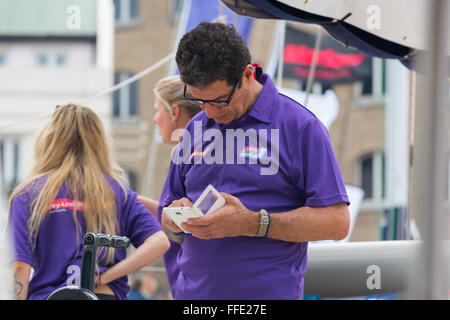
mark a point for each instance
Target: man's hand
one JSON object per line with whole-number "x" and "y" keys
{"x": 167, "y": 223}
{"x": 232, "y": 220}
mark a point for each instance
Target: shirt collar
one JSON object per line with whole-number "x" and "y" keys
{"x": 263, "y": 107}
{"x": 265, "y": 102}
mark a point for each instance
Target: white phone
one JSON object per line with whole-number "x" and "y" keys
{"x": 209, "y": 201}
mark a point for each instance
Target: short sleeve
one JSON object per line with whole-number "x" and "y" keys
{"x": 140, "y": 223}
{"x": 317, "y": 169}
{"x": 173, "y": 189}
{"x": 18, "y": 224}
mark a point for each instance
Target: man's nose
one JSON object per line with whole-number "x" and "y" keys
{"x": 211, "y": 110}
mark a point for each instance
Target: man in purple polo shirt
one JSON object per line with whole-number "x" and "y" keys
{"x": 272, "y": 161}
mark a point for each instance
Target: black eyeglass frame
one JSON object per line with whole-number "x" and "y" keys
{"x": 222, "y": 103}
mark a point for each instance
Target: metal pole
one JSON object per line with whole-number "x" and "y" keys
{"x": 274, "y": 54}
{"x": 281, "y": 52}
{"x": 6, "y": 288}
{"x": 312, "y": 70}
{"x": 396, "y": 146}
{"x": 356, "y": 269}
{"x": 429, "y": 281}
{"x": 412, "y": 117}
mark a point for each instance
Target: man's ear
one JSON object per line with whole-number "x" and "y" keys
{"x": 248, "y": 71}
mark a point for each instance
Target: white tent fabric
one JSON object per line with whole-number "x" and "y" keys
{"x": 324, "y": 106}
{"x": 381, "y": 28}
{"x": 386, "y": 19}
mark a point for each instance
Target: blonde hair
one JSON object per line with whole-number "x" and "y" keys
{"x": 72, "y": 148}
{"x": 170, "y": 90}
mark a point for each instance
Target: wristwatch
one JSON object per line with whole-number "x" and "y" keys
{"x": 264, "y": 221}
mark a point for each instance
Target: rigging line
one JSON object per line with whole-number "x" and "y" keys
{"x": 132, "y": 79}
{"x": 116, "y": 87}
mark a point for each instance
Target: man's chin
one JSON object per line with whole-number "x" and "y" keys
{"x": 221, "y": 120}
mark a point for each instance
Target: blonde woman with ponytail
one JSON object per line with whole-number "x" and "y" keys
{"x": 74, "y": 187}
{"x": 173, "y": 113}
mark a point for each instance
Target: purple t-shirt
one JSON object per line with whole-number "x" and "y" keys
{"x": 277, "y": 157}
{"x": 56, "y": 259}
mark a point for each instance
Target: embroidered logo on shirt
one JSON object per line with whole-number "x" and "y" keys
{"x": 60, "y": 204}
{"x": 200, "y": 153}
{"x": 253, "y": 152}
{"x": 224, "y": 145}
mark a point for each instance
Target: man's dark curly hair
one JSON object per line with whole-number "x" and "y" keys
{"x": 210, "y": 52}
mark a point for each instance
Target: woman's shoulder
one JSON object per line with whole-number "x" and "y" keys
{"x": 120, "y": 188}
{"x": 29, "y": 189}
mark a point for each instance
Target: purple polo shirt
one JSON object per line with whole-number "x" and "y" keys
{"x": 170, "y": 256}
{"x": 290, "y": 164}
{"x": 57, "y": 258}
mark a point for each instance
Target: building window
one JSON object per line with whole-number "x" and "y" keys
{"x": 175, "y": 9}
{"x": 42, "y": 59}
{"x": 9, "y": 165}
{"x": 51, "y": 59}
{"x": 2, "y": 59}
{"x": 126, "y": 12}
{"x": 371, "y": 176}
{"x": 61, "y": 59}
{"x": 367, "y": 176}
{"x": 133, "y": 9}
{"x": 132, "y": 179}
{"x": 374, "y": 87}
{"x": 126, "y": 98}
{"x": 368, "y": 83}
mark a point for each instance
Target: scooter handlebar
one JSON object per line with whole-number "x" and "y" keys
{"x": 106, "y": 240}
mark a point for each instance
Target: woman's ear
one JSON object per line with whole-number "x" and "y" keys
{"x": 176, "y": 112}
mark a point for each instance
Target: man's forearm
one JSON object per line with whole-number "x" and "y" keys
{"x": 308, "y": 224}
{"x": 299, "y": 225}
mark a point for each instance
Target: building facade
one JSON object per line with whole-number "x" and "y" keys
{"x": 143, "y": 35}
{"x": 51, "y": 53}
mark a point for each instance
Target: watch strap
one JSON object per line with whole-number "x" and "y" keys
{"x": 263, "y": 223}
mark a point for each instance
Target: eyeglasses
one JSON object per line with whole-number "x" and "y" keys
{"x": 223, "y": 103}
